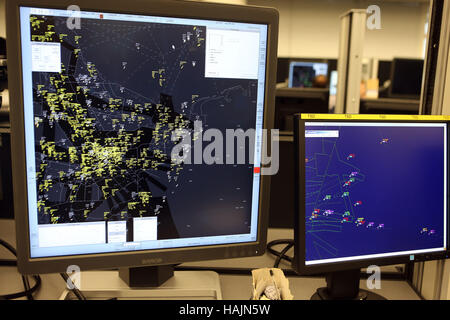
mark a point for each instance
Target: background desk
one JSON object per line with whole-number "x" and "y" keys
{"x": 290, "y": 101}
{"x": 389, "y": 106}
{"x": 234, "y": 286}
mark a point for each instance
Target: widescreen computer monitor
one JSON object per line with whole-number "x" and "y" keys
{"x": 99, "y": 97}
{"x": 303, "y": 74}
{"x": 406, "y": 78}
{"x": 371, "y": 190}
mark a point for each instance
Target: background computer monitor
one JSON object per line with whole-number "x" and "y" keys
{"x": 370, "y": 190}
{"x": 384, "y": 77}
{"x": 6, "y": 198}
{"x": 6, "y": 194}
{"x": 303, "y": 74}
{"x": 96, "y": 101}
{"x": 406, "y": 78}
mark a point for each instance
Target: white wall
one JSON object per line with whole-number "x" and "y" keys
{"x": 310, "y": 28}
{"x": 2, "y": 19}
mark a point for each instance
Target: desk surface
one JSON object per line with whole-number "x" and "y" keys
{"x": 234, "y": 287}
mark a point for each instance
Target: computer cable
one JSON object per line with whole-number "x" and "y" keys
{"x": 26, "y": 285}
{"x": 75, "y": 290}
{"x": 280, "y": 254}
{"x": 28, "y": 292}
{"x": 8, "y": 263}
{"x": 283, "y": 255}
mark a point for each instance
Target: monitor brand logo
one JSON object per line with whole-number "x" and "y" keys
{"x": 151, "y": 261}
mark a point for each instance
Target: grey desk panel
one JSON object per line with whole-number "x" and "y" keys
{"x": 239, "y": 287}
{"x": 233, "y": 286}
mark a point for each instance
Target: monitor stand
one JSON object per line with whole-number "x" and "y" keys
{"x": 344, "y": 285}
{"x": 141, "y": 277}
{"x": 148, "y": 283}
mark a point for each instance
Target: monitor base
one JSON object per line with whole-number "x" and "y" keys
{"x": 344, "y": 285}
{"x": 184, "y": 285}
{"x": 322, "y": 294}
{"x": 144, "y": 277}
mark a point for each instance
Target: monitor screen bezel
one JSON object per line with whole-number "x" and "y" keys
{"x": 166, "y": 8}
{"x": 300, "y": 214}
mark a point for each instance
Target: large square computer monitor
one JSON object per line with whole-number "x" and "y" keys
{"x": 99, "y": 91}
{"x": 371, "y": 190}
{"x": 304, "y": 74}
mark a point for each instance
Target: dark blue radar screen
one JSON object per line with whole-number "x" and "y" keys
{"x": 374, "y": 189}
